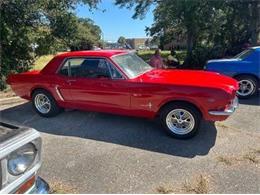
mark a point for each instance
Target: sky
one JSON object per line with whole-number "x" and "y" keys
{"x": 115, "y": 22}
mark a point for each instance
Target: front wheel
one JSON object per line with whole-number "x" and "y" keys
{"x": 247, "y": 86}
{"x": 44, "y": 104}
{"x": 180, "y": 120}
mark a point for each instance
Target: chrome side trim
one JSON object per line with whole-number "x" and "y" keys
{"x": 58, "y": 93}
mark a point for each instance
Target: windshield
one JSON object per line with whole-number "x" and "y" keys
{"x": 244, "y": 54}
{"x": 131, "y": 64}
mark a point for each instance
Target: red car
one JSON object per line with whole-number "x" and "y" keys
{"x": 120, "y": 82}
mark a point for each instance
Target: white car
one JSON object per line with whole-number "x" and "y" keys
{"x": 20, "y": 160}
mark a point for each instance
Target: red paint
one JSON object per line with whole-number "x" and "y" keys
{"x": 206, "y": 90}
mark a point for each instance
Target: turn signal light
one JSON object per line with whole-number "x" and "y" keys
{"x": 26, "y": 186}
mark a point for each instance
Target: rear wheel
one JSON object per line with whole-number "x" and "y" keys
{"x": 180, "y": 120}
{"x": 247, "y": 86}
{"x": 44, "y": 104}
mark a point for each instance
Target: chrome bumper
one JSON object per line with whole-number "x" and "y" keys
{"x": 40, "y": 187}
{"x": 228, "y": 111}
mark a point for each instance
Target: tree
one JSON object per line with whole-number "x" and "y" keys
{"x": 211, "y": 28}
{"x": 88, "y": 34}
{"x": 140, "y": 7}
{"x": 181, "y": 18}
{"x": 35, "y": 27}
{"x": 17, "y": 21}
{"x": 121, "y": 40}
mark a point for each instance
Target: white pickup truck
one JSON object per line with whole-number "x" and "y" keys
{"x": 20, "y": 159}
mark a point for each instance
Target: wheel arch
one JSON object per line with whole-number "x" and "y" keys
{"x": 247, "y": 74}
{"x": 40, "y": 88}
{"x": 187, "y": 102}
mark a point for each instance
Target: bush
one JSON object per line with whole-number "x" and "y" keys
{"x": 201, "y": 54}
{"x": 146, "y": 55}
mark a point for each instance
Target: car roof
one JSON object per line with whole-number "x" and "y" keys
{"x": 54, "y": 64}
{"x": 101, "y": 53}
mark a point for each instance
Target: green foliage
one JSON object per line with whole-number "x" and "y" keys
{"x": 121, "y": 40}
{"x": 147, "y": 54}
{"x": 31, "y": 28}
{"x": 87, "y": 34}
{"x": 211, "y": 29}
{"x": 141, "y": 7}
{"x": 16, "y": 50}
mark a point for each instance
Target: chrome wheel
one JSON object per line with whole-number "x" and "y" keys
{"x": 180, "y": 121}
{"x": 246, "y": 87}
{"x": 42, "y": 103}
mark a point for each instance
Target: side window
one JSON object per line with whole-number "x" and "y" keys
{"x": 114, "y": 72}
{"x": 94, "y": 68}
{"x": 71, "y": 66}
{"x": 90, "y": 68}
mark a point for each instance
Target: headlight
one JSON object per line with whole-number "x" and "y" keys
{"x": 20, "y": 160}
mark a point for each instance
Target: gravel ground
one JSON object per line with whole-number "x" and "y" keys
{"x": 86, "y": 152}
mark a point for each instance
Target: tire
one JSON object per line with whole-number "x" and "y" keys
{"x": 177, "y": 130}
{"x": 250, "y": 82}
{"x": 49, "y": 109}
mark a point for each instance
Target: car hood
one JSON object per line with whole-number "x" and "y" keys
{"x": 190, "y": 78}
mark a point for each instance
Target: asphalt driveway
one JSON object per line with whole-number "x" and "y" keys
{"x": 88, "y": 152}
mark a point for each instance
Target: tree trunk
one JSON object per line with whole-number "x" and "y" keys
{"x": 190, "y": 44}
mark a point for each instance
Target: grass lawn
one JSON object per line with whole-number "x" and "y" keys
{"x": 41, "y": 62}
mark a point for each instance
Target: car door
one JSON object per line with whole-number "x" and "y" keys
{"x": 94, "y": 87}
{"x": 62, "y": 82}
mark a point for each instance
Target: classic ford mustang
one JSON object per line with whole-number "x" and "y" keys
{"x": 120, "y": 82}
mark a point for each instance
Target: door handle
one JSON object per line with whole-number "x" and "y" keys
{"x": 137, "y": 95}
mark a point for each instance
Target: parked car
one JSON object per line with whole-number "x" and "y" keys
{"x": 120, "y": 82}
{"x": 245, "y": 67}
{"x": 20, "y": 160}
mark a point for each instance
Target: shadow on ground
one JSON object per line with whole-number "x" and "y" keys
{"x": 128, "y": 131}
{"x": 255, "y": 100}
